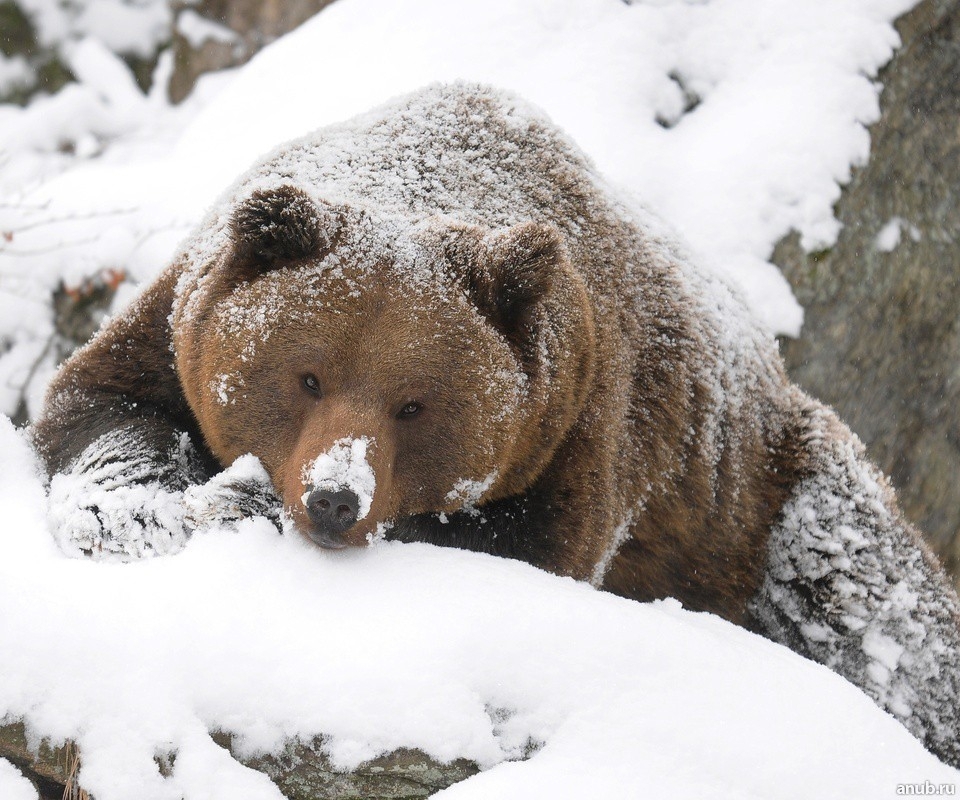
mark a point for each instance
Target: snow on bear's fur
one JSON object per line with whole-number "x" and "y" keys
{"x": 535, "y": 368}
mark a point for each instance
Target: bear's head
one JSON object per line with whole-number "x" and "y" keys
{"x": 378, "y": 367}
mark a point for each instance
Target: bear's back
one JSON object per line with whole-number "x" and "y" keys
{"x": 471, "y": 152}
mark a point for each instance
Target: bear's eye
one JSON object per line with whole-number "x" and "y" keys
{"x": 409, "y": 410}
{"x": 311, "y": 384}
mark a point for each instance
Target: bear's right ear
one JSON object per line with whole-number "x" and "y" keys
{"x": 521, "y": 279}
{"x": 274, "y": 226}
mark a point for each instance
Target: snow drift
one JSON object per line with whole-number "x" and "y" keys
{"x": 460, "y": 655}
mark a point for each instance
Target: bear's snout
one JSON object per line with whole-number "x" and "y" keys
{"x": 332, "y": 513}
{"x": 336, "y": 491}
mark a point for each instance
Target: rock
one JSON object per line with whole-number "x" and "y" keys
{"x": 881, "y": 337}
{"x": 51, "y": 769}
{"x": 216, "y": 34}
{"x": 301, "y": 772}
{"x": 79, "y": 309}
{"x": 45, "y": 71}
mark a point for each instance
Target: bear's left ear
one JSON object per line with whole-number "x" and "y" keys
{"x": 522, "y": 266}
{"x": 279, "y": 225}
{"x": 523, "y": 280}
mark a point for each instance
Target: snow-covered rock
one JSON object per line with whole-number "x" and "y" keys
{"x": 268, "y": 638}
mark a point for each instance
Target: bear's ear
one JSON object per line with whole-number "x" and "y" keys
{"x": 279, "y": 225}
{"x": 510, "y": 275}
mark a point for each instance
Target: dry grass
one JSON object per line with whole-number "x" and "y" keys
{"x": 71, "y": 789}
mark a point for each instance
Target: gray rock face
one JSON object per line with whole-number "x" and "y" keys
{"x": 252, "y": 23}
{"x": 301, "y": 772}
{"x": 52, "y": 769}
{"x": 881, "y": 338}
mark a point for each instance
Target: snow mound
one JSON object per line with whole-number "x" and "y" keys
{"x": 461, "y": 655}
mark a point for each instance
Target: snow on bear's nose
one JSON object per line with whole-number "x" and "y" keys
{"x": 343, "y": 469}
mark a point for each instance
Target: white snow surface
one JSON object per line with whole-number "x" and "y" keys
{"x": 13, "y": 786}
{"x": 736, "y": 120}
{"x": 463, "y": 655}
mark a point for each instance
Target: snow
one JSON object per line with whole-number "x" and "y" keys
{"x": 736, "y": 120}
{"x": 344, "y": 467}
{"x": 13, "y": 786}
{"x": 889, "y": 236}
{"x": 462, "y": 655}
{"x": 197, "y": 30}
{"x": 125, "y": 26}
{"x": 468, "y": 492}
{"x": 14, "y": 73}
{"x": 241, "y": 490}
{"x": 620, "y": 535}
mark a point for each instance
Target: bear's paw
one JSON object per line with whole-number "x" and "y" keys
{"x": 242, "y": 490}
{"x": 122, "y": 522}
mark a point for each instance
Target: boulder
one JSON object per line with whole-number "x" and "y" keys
{"x": 881, "y": 336}
{"x": 301, "y": 771}
{"x": 216, "y": 34}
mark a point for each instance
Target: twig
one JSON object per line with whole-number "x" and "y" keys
{"x": 71, "y": 789}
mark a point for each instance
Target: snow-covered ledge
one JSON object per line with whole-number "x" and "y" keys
{"x": 301, "y": 771}
{"x": 552, "y": 688}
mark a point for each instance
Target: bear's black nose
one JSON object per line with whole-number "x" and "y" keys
{"x": 332, "y": 513}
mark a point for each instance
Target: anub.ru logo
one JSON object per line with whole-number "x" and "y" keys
{"x": 926, "y": 789}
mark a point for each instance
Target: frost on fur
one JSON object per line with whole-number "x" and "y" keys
{"x": 242, "y": 490}
{"x": 470, "y": 492}
{"x": 116, "y": 501}
{"x": 851, "y": 585}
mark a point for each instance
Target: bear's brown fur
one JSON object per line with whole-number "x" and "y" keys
{"x": 532, "y": 368}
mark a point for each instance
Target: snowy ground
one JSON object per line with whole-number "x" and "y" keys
{"x": 407, "y": 645}
{"x": 735, "y": 119}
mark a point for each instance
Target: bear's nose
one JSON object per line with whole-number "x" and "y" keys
{"x": 332, "y": 513}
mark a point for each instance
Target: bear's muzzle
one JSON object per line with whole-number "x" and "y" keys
{"x": 332, "y": 514}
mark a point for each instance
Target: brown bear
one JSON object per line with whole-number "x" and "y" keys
{"x": 438, "y": 323}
